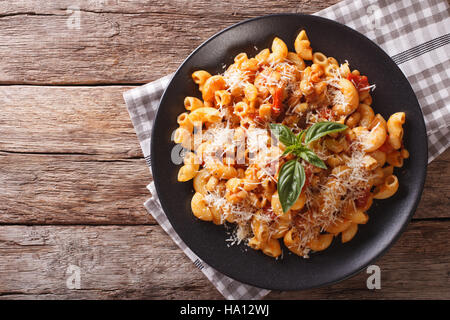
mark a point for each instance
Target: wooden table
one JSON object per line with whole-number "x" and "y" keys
{"x": 72, "y": 175}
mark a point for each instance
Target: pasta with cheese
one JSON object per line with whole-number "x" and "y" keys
{"x": 235, "y": 161}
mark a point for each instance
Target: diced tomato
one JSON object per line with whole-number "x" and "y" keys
{"x": 360, "y": 82}
{"x": 257, "y": 119}
{"x": 308, "y": 175}
{"x": 277, "y": 102}
{"x": 361, "y": 201}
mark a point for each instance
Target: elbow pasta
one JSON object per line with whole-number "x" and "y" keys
{"x": 234, "y": 161}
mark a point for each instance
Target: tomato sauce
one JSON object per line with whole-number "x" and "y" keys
{"x": 308, "y": 175}
{"x": 267, "y": 210}
{"x": 360, "y": 82}
{"x": 386, "y": 147}
{"x": 361, "y": 201}
{"x": 277, "y": 102}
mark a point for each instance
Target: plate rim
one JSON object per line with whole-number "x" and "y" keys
{"x": 422, "y": 177}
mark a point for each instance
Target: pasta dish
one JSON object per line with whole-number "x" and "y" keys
{"x": 286, "y": 147}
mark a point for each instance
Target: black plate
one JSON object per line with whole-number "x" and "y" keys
{"x": 388, "y": 218}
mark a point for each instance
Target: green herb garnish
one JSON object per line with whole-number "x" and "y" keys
{"x": 291, "y": 177}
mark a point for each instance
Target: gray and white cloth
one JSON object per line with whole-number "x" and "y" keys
{"x": 416, "y": 34}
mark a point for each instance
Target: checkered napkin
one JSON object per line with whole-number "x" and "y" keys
{"x": 416, "y": 34}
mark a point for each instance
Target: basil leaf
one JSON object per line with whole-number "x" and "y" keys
{"x": 311, "y": 157}
{"x": 283, "y": 133}
{"x": 300, "y": 137}
{"x": 291, "y": 179}
{"x": 320, "y": 129}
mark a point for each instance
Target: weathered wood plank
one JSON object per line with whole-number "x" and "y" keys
{"x": 115, "y": 262}
{"x": 115, "y": 41}
{"x": 436, "y": 194}
{"x": 80, "y": 120}
{"x": 61, "y": 189}
{"x": 141, "y": 262}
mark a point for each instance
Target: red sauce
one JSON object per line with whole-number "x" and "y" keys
{"x": 308, "y": 175}
{"x": 360, "y": 82}
{"x": 269, "y": 212}
{"x": 277, "y": 102}
{"x": 386, "y": 147}
{"x": 326, "y": 113}
{"x": 361, "y": 201}
{"x": 257, "y": 119}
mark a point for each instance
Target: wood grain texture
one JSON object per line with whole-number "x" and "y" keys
{"x": 142, "y": 262}
{"x": 67, "y": 120}
{"x": 117, "y": 41}
{"x": 436, "y": 194}
{"x": 115, "y": 262}
{"x": 62, "y": 189}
